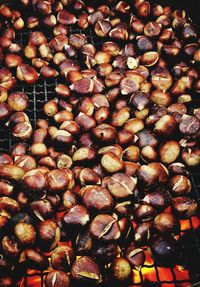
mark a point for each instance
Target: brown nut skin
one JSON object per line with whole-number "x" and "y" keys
{"x": 180, "y": 185}
{"x": 57, "y": 180}
{"x": 135, "y": 256}
{"x": 169, "y": 152}
{"x": 147, "y": 138}
{"x": 5, "y": 159}
{"x": 41, "y": 209}
{"x": 105, "y": 253}
{"x": 69, "y": 199}
{"x": 6, "y": 189}
{"x": 142, "y": 233}
{"x": 147, "y": 176}
{"x": 76, "y": 216}
{"x": 34, "y": 182}
{"x": 166, "y": 125}
{"x": 159, "y": 199}
{"x": 62, "y": 258}
{"x": 120, "y": 270}
{"x": 83, "y": 244}
{"x": 104, "y": 227}
{"x": 184, "y": 207}
{"x": 10, "y": 247}
{"x": 165, "y": 251}
{"x": 145, "y": 212}
{"x": 48, "y": 234}
{"x": 27, "y": 74}
{"x": 57, "y": 278}
{"x": 166, "y": 224}
{"x": 11, "y": 172}
{"x": 161, "y": 170}
{"x": 85, "y": 269}
{"x": 33, "y": 259}
{"x": 111, "y": 163}
{"x": 25, "y": 234}
{"x": 104, "y": 133}
{"x": 121, "y": 185}
{"x": 26, "y": 162}
{"x": 97, "y": 199}
{"x": 84, "y": 155}
{"x": 189, "y": 125}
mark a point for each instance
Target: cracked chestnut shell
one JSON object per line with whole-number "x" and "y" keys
{"x": 121, "y": 185}
{"x": 57, "y": 180}
{"x": 105, "y": 227}
{"x": 57, "y": 278}
{"x": 48, "y": 234}
{"x": 85, "y": 269}
{"x": 62, "y": 258}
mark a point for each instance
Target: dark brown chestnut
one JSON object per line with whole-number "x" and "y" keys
{"x": 165, "y": 251}
{"x": 105, "y": 227}
{"x": 57, "y": 278}
{"x": 62, "y": 258}
{"x": 85, "y": 269}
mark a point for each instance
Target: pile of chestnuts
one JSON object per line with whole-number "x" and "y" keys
{"x": 112, "y": 150}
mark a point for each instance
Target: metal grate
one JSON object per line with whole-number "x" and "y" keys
{"x": 44, "y": 90}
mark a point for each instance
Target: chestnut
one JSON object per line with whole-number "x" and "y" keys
{"x": 25, "y": 234}
{"x": 111, "y": 163}
{"x": 105, "y": 253}
{"x": 10, "y": 247}
{"x": 57, "y": 180}
{"x": 84, "y": 155}
{"x": 104, "y": 227}
{"x": 180, "y": 185}
{"x": 120, "y": 270}
{"x": 121, "y": 185}
{"x": 104, "y": 132}
{"x": 143, "y": 233}
{"x": 83, "y": 243}
{"x": 4, "y": 111}
{"x": 48, "y": 234}
{"x": 34, "y": 182}
{"x": 184, "y": 207}
{"x": 165, "y": 251}
{"x": 11, "y": 172}
{"x": 166, "y": 224}
{"x": 57, "y": 278}
{"x": 144, "y": 212}
{"x": 22, "y": 131}
{"x": 42, "y": 209}
{"x": 26, "y": 162}
{"x": 6, "y": 189}
{"x": 147, "y": 176}
{"x": 159, "y": 199}
{"x": 135, "y": 256}
{"x": 76, "y": 216}
{"x": 97, "y": 199}
{"x": 27, "y": 74}
{"x": 85, "y": 269}
{"x": 62, "y": 258}
{"x": 169, "y": 151}
{"x": 102, "y": 28}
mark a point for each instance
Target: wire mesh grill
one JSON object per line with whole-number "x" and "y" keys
{"x": 44, "y": 90}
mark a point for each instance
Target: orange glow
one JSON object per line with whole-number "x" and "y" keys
{"x": 185, "y": 223}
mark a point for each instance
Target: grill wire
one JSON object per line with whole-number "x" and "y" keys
{"x": 44, "y": 90}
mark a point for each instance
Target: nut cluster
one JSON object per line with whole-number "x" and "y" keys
{"x": 114, "y": 148}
